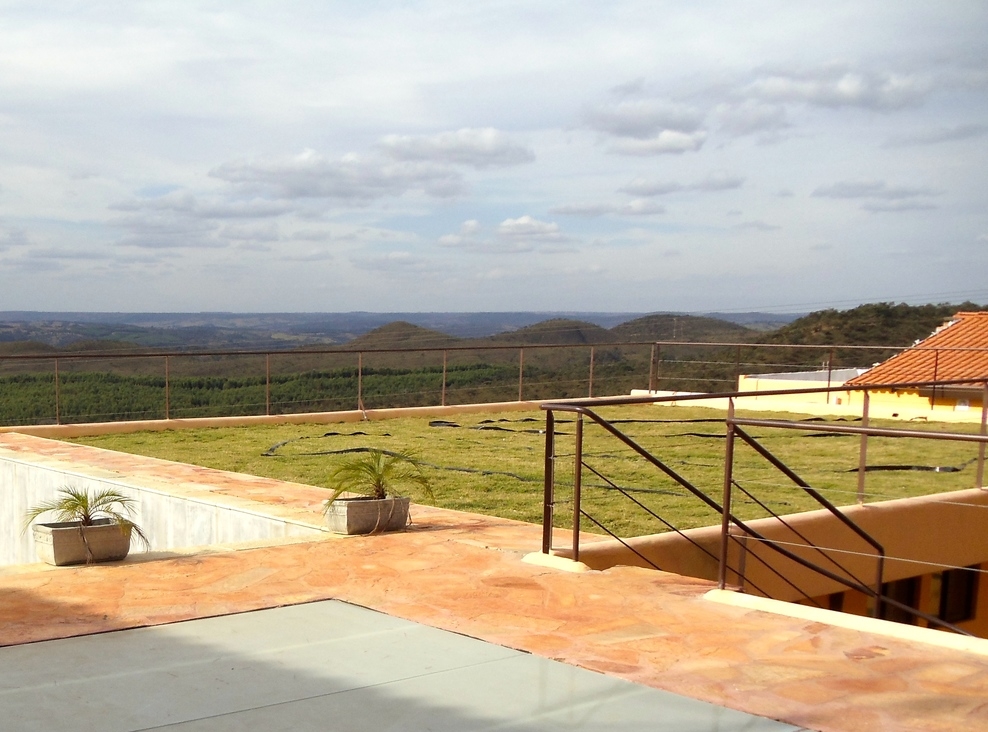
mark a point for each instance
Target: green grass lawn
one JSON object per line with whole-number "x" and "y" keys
{"x": 493, "y": 463}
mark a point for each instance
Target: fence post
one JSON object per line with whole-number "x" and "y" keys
{"x": 830, "y": 371}
{"x": 58, "y": 410}
{"x": 443, "y": 401}
{"x": 653, "y": 369}
{"x": 360, "y": 381}
{"x": 725, "y": 519}
{"x": 863, "y": 451}
{"x": 521, "y": 370}
{"x": 590, "y": 389}
{"x": 737, "y": 370}
{"x": 549, "y": 481}
{"x": 577, "y": 486}
{"x": 267, "y": 384}
{"x": 168, "y": 392}
{"x": 980, "y": 477}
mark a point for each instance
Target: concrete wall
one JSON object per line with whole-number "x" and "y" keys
{"x": 170, "y": 521}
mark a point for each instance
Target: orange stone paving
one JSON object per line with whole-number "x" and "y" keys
{"x": 463, "y": 572}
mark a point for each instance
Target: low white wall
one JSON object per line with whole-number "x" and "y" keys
{"x": 170, "y": 521}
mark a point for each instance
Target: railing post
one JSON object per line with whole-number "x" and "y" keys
{"x": 443, "y": 400}
{"x": 360, "y": 381}
{"x": 653, "y": 369}
{"x": 590, "y": 388}
{"x": 549, "y": 485}
{"x": 267, "y": 384}
{"x": 879, "y": 581}
{"x": 725, "y": 519}
{"x": 737, "y": 370}
{"x": 521, "y": 371}
{"x": 863, "y": 451}
{"x": 168, "y": 390}
{"x": 980, "y": 474}
{"x": 58, "y": 408}
{"x": 577, "y": 486}
{"x": 830, "y": 372}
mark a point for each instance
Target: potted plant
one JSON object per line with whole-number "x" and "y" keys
{"x": 374, "y": 474}
{"x": 89, "y": 527}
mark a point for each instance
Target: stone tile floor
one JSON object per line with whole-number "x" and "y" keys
{"x": 463, "y": 572}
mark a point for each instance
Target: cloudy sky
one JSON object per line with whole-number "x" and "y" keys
{"x": 449, "y": 155}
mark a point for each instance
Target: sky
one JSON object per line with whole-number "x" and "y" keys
{"x": 492, "y": 156}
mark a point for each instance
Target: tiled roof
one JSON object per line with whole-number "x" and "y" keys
{"x": 932, "y": 359}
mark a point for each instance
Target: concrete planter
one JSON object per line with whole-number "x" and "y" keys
{"x": 65, "y": 543}
{"x": 367, "y": 515}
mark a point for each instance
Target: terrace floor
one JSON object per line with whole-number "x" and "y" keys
{"x": 464, "y": 573}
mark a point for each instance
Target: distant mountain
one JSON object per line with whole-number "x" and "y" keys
{"x": 755, "y": 320}
{"x": 402, "y": 335}
{"x": 556, "y": 330}
{"x": 690, "y": 328}
{"x": 881, "y": 324}
{"x": 262, "y": 331}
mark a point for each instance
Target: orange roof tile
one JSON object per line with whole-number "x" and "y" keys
{"x": 957, "y": 350}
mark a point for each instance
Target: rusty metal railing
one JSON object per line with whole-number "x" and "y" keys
{"x": 584, "y": 409}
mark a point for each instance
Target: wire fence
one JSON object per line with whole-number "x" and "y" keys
{"x": 113, "y": 386}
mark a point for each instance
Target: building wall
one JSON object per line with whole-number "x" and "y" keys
{"x": 906, "y": 404}
{"x": 170, "y": 521}
{"x": 919, "y": 535}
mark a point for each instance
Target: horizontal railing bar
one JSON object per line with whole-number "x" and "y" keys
{"x": 870, "y": 431}
{"x": 574, "y": 405}
{"x": 493, "y": 347}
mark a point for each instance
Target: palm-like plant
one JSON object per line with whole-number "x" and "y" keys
{"x": 87, "y": 508}
{"x": 375, "y": 473}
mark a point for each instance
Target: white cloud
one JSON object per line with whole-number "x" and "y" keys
{"x": 512, "y": 236}
{"x": 871, "y": 189}
{"x": 396, "y": 262}
{"x": 529, "y": 228}
{"x": 939, "y": 135}
{"x": 718, "y": 181}
{"x": 751, "y": 117}
{"x": 643, "y": 187}
{"x": 644, "y": 118}
{"x": 351, "y": 178}
{"x": 479, "y": 148}
{"x": 584, "y": 209}
{"x": 894, "y": 206}
{"x": 842, "y": 87}
{"x": 186, "y": 203}
{"x": 13, "y": 238}
{"x": 756, "y": 226}
{"x": 638, "y": 207}
{"x": 667, "y": 142}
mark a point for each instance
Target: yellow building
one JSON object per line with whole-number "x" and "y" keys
{"x": 958, "y": 350}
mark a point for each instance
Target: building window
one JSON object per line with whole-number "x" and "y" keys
{"x": 836, "y": 602}
{"x": 958, "y": 594}
{"x": 905, "y": 591}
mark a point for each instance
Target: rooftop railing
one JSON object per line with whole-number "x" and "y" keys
{"x": 720, "y": 501}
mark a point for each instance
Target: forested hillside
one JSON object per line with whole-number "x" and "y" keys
{"x": 556, "y": 358}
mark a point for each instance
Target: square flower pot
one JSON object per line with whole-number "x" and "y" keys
{"x": 364, "y": 515}
{"x": 64, "y": 543}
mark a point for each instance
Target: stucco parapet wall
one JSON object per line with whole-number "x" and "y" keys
{"x": 89, "y": 429}
{"x": 859, "y": 623}
{"x": 798, "y": 404}
{"x": 178, "y": 505}
{"x": 920, "y": 535}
